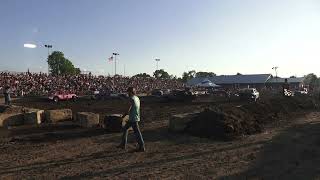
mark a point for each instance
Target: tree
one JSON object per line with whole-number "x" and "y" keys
{"x": 188, "y": 75}
{"x": 239, "y": 73}
{"x": 293, "y": 76}
{"x": 78, "y": 71}
{"x": 205, "y": 74}
{"x": 161, "y": 74}
{"x": 311, "y": 80}
{"x": 143, "y": 75}
{"x": 59, "y": 65}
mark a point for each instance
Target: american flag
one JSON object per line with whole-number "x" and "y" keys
{"x": 110, "y": 59}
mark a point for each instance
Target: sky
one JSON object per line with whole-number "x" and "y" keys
{"x": 221, "y": 36}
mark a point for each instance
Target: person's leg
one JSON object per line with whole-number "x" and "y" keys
{"x": 138, "y": 135}
{"x": 6, "y": 99}
{"x": 9, "y": 100}
{"x": 124, "y": 139}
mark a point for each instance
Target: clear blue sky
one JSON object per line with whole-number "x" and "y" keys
{"x": 222, "y": 36}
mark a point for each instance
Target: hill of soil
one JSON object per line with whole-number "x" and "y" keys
{"x": 229, "y": 122}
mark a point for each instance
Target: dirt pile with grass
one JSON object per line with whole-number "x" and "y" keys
{"x": 229, "y": 122}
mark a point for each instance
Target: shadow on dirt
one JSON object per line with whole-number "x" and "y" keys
{"x": 294, "y": 154}
{"x": 53, "y": 134}
{"x": 52, "y": 164}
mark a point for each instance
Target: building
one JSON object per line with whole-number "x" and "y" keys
{"x": 235, "y": 81}
{"x": 277, "y": 82}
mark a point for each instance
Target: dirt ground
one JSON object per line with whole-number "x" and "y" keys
{"x": 288, "y": 149}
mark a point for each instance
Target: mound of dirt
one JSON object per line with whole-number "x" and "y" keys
{"x": 228, "y": 122}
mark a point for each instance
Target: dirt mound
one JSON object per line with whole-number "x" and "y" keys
{"x": 228, "y": 122}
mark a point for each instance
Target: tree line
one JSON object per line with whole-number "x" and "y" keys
{"x": 60, "y": 65}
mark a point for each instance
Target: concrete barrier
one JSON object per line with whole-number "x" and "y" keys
{"x": 58, "y": 115}
{"x": 34, "y": 117}
{"x": 113, "y": 122}
{"x": 178, "y": 123}
{"x": 87, "y": 119}
{"x": 11, "y": 119}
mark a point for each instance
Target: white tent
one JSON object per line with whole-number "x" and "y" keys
{"x": 207, "y": 83}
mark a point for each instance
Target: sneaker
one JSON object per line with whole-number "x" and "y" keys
{"x": 141, "y": 149}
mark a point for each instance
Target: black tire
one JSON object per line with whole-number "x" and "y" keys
{"x": 56, "y": 99}
{"x": 74, "y": 98}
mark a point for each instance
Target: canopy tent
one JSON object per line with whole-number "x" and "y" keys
{"x": 207, "y": 83}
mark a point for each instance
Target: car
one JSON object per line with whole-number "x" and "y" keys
{"x": 249, "y": 94}
{"x": 157, "y": 92}
{"x": 301, "y": 92}
{"x": 181, "y": 95}
{"x": 61, "y": 96}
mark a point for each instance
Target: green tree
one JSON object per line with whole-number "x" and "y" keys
{"x": 188, "y": 75}
{"x": 77, "y": 71}
{"x": 239, "y": 73}
{"x": 59, "y": 65}
{"x": 143, "y": 75}
{"x": 205, "y": 74}
{"x": 161, "y": 74}
{"x": 311, "y": 80}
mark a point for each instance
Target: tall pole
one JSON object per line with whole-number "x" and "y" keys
{"x": 115, "y": 62}
{"x": 157, "y": 60}
{"x": 275, "y": 68}
{"x": 48, "y": 46}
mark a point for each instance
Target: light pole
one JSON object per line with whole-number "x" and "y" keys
{"x": 115, "y": 62}
{"x": 157, "y": 60}
{"x": 49, "y": 47}
{"x": 275, "y": 68}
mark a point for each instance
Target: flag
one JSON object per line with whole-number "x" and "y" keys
{"x": 110, "y": 58}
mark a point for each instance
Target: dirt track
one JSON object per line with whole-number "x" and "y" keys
{"x": 288, "y": 151}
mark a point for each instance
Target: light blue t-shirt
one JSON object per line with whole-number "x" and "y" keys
{"x": 134, "y": 114}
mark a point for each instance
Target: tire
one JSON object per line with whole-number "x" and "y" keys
{"x": 74, "y": 98}
{"x": 56, "y": 99}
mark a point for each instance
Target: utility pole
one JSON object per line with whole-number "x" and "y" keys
{"x": 275, "y": 68}
{"x": 49, "y": 47}
{"x": 115, "y": 62}
{"x": 157, "y": 60}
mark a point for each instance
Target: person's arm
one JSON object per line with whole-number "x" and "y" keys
{"x": 126, "y": 113}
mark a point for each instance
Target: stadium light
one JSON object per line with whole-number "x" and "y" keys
{"x": 115, "y": 62}
{"x": 32, "y": 46}
{"x": 49, "y": 47}
{"x": 157, "y": 60}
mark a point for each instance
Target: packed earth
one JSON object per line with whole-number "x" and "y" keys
{"x": 277, "y": 138}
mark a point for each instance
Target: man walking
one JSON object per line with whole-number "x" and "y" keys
{"x": 134, "y": 118}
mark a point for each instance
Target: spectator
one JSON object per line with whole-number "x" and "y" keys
{"x": 33, "y": 84}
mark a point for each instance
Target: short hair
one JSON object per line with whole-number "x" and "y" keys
{"x": 131, "y": 90}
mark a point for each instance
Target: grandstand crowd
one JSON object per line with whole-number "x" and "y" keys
{"x": 39, "y": 84}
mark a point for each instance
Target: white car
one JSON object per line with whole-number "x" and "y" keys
{"x": 249, "y": 93}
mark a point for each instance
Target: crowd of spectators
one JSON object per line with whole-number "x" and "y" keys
{"x": 39, "y": 84}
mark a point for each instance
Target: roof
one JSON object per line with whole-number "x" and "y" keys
{"x": 234, "y": 79}
{"x": 290, "y": 80}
